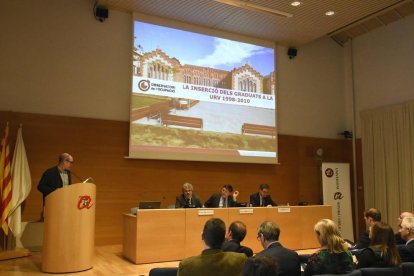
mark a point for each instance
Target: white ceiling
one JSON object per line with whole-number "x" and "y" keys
{"x": 308, "y": 22}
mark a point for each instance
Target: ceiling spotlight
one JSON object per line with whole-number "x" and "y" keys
{"x": 295, "y": 3}
{"x": 329, "y": 13}
{"x": 253, "y": 7}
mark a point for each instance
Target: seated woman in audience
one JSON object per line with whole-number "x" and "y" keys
{"x": 260, "y": 266}
{"x": 382, "y": 251}
{"x": 333, "y": 257}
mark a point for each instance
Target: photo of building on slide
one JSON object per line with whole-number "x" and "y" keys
{"x": 176, "y": 104}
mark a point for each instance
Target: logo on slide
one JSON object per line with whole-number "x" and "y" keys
{"x": 85, "y": 202}
{"x": 144, "y": 85}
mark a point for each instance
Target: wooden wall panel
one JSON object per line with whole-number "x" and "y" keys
{"x": 99, "y": 148}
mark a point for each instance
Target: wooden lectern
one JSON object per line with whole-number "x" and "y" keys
{"x": 69, "y": 229}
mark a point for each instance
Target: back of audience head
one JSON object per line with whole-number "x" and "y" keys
{"x": 407, "y": 228}
{"x": 371, "y": 216}
{"x": 214, "y": 233}
{"x": 237, "y": 230}
{"x": 269, "y": 231}
{"x": 383, "y": 239}
{"x": 329, "y": 236}
{"x": 260, "y": 266}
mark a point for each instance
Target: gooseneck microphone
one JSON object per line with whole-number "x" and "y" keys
{"x": 75, "y": 175}
{"x": 87, "y": 180}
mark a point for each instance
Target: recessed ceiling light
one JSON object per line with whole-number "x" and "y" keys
{"x": 329, "y": 13}
{"x": 296, "y": 3}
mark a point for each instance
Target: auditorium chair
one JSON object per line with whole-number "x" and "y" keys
{"x": 383, "y": 271}
{"x": 163, "y": 271}
{"x": 408, "y": 269}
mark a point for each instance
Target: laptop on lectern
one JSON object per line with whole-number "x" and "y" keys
{"x": 149, "y": 205}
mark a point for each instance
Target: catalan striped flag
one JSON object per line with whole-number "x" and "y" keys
{"x": 5, "y": 180}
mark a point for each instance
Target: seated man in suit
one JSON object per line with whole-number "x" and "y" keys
{"x": 227, "y": 198}
{"x": 287, "y": 260}
{"x": 57, "y": 176}
{"x": 407, "y": 233}
{"x": 371, "y": 216}
{"x": 262, "y": 198}
{"x": 398, "y": 238}
{"x": 235, "y": 235}
{"x": 187, "y": 199}
{"x": 213, "y": 261}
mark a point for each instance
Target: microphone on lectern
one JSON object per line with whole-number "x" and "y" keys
{"x": 75, "y": 175}
{"x": 87, "y": 180}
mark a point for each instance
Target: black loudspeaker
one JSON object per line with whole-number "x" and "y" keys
{"x": 101, "y": 13}
{"x": 292, "y": 52}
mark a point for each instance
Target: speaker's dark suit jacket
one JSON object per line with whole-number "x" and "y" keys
{"x": 287, "y": 260}
{"x": 214, "y": 201}
{"x": 255, "y": 200}
{"x": 234, "y": 246}
{"x": 51, "y": 181}
{"x": 213, "y": 262}
{"x": 181, "y": 202}
{"x": 407, "y": 252}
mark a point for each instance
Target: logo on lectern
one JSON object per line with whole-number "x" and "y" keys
{"x": 85, "y": 202}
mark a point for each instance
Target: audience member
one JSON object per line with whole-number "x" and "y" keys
{"x": 288, "y": 261}
{"x": 260, "y": 266}
{"x": 371, "y": 216}
{"x": 187, "y": 199}
{"x": 398, "y": 238}
{"x": 227, "y": 198}
{"x": 333, "y": 257}
{"x": 235, "y": 235}
{"x": 382, "y": 251}
{"x": 213, "y": 261}
{"x": 262, "y": 198}
{"x": 407, "y": 234}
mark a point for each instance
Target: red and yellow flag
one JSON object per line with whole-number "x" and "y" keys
{"x": 5, "y": 180}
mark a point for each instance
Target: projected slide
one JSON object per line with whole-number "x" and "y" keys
{"x": 203, "y": 98}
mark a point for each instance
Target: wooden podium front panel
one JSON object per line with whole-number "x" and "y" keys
{"x": 310, "y": 215}
{"x": 69, "y": 229}
{"x": 194, "y": 225}
{"x": 129, "y": 238}
{"x": 160, "y": 235}
{"x": 252, "y": 217}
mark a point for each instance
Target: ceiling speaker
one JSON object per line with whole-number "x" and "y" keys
{"x": 101, "y": 13}
{"x": 292, "y": 52}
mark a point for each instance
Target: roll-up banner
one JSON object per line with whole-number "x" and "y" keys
{"x": 336, "y": 192}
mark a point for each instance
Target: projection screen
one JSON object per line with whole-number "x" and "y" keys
{"x": 200, "y": 97}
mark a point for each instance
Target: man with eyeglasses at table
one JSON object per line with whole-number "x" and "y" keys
{"x": 57, "y": 176}
{"x": 187, "y": 199}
